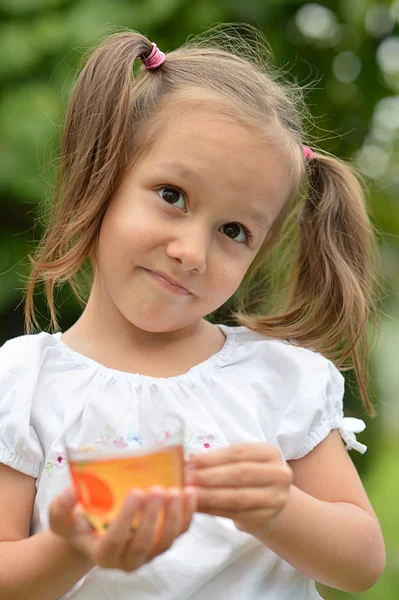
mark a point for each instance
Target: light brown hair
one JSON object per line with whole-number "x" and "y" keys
{"x": 324, "y": 289}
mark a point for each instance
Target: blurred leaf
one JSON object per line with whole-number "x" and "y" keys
{"x": 28, "y": 117}
{"x": 22, "y": 7}
{"x": 16, "y": 49}
{"x": 13, "y": 252}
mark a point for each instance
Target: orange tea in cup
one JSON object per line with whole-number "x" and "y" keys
{"x": 102, "y": 484}
{"x": 103, "y": 478}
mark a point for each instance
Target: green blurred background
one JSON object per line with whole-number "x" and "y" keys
{"x": 350, "y": 47}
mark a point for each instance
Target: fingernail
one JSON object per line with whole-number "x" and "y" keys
{"x": 136, "y": 491}
{"x": 156, "y": 489}
{"x": 136, "y": 495}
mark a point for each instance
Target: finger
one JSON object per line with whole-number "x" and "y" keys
{"x": 61, "y": 517}
{"x": 249, "y": 474}
{"x": 251, "y": 516}
{"x": 141, "y": 547}
{"x": 190, "y": 502}
{"x": 111, "y": 547}
{"x": 172, "y": 521}
{"x": 260, "y": 452}
{"x": 239, "y": 499}
{"x": 82, "y": 525}
{"x": 255, "y": 520}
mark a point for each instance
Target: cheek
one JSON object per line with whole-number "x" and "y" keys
{"x": 124, "y": 233}
{"x": 227, "y": 278}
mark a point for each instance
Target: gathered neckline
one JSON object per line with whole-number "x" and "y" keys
{"x": 220, "y": 357}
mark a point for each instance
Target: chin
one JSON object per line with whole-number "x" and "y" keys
{"x": 159, "y": 325}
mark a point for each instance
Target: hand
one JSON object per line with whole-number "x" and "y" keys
{"x": 248, "y": 483}
{"x": 118, "y": 548}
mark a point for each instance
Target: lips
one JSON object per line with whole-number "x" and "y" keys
{"x": 168, "y": 279}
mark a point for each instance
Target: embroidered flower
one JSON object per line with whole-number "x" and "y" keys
{"x": 88, "y": 448}
{"x": 120, "y": 443}
{"x": 49, "y": 466}
{"x": 162, "y": 438}
{"x": 60, "y": 459}
{"x": 110, "y": 431}
{"x": 134, "y": 438}
{"x": 103, "y": 439}
{"x": 204, "y": 443}
{"x": 187, "y": 441}
{"x": 207, "y": 441}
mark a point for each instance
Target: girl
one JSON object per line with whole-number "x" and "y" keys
{"x": 176, "y": 186}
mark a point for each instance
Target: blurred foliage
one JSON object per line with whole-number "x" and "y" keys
{"x": 350, "y": 48}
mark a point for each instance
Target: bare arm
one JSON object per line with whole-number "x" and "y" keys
{"x": 316, "y": 510}
{"x": 42, "y": 567}
{"x": 45, "y": 566}
{"x": 328, "y": 529}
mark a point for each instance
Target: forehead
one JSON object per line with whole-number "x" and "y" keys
{"x": 214, "y": 149}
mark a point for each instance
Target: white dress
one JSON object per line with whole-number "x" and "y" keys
{"x": 255, "y": 389}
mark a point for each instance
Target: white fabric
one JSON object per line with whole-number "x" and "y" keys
{"x": 253, "y": 390}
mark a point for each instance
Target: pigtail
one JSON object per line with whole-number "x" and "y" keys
{"x": 331, "y": 283}
{"x": 95, "y": 150}
{"x": 334, "y": 273}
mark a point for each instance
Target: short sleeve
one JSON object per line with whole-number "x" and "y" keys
{"x": 20, "y": 447}
{"x": 316, "y": 409}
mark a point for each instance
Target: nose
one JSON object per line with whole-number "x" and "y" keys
{"x": 190, "y": 247}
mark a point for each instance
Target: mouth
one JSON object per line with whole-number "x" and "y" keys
{"x": 167, "y": 282}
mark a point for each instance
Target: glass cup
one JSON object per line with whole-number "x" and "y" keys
{"x": 104, "y": 474}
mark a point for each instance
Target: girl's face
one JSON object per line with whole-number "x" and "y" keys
{"x": 194, "y": 209}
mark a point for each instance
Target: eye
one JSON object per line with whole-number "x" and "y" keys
{"x": 172, "y": 195}
{"x": 236, "y": 232}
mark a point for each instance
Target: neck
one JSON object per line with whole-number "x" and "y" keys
{"x": 105, "y": 335}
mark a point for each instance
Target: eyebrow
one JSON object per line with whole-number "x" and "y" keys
{"x": 259, "y": 218}
{"x": 183, "y": 170}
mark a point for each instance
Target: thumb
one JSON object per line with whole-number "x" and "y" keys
{"x": 61, "y": 515}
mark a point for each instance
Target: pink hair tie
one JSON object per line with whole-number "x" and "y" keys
{"x": 153, "y": 60}
{"x": 307, "y": 152}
